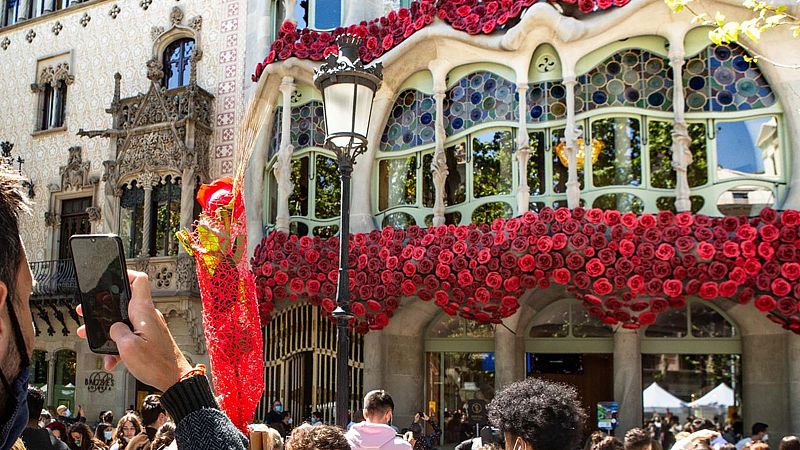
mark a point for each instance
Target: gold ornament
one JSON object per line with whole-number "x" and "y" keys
{"x": 597, "y": 147}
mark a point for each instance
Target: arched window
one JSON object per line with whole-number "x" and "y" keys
{"x": 39, "y": 369}
{"x": 64, "y": 381}
{"x": 459, "y": 363}
{"x": 694, "y": 354}
{"x": 54, "y": 100}
{"x": 178, "y": 63}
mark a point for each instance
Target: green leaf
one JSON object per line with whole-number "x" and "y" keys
{"x": 208, "y": 238}
{"x": 186, "y": 240}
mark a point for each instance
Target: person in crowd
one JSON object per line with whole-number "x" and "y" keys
{"x": 58, "y": 435}
{"x": 638, "y": 439}
{"x": 105, "y": 417}
{"x": 322, "y": 437}
{"x": 34, "y": 436}
{"x": 608, "y": 443}
{"x": 536, "y": 414}
{"x": 418, "y": 438}
{"x": 148, "y": 350}
{"x": 452, "y": 428}
{"x": 485, "y": 437}
{"x": 274, "y": 415}
{"x": 789, "y": 443}
{"x": 127, "y": 428}
{"x": 164, "y": 436}
{"x": 153, "y": 416}
{"x": 284, "y": 427}
{"x": 82, "y": 438}
{"x": 375, "y": 432}
{"x": 593, "y": 439}
{"x": 701, "y": 424}
{"x": 316, "y": 419}
{"x": 759, "y": 433}
{"x": 104, "y": 432}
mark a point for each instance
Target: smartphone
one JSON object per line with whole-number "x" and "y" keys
{"x": 103, "y": 284}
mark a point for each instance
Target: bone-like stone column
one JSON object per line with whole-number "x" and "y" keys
{"x": 439, "y": 162}
{"x": 283, "y": 165}
{"x": 571, "y": 137}
{"x": 523, "y": 151}
{"x": 681, "y": 152}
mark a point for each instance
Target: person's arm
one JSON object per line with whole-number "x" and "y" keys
{"x": 465, "y": 445}
{"x": 437, "y": 431}
{"x": 152, "y": 356}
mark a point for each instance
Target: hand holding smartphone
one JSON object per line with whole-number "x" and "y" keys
{"x": 103, "y": 285}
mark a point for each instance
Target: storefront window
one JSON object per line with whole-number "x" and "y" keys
{"x": 64, "y": 382}
{"x": 38, "y": 371}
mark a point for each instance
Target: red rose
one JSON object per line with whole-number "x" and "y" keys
{"x": 768, "y": 215}
{"x": 484, "y": 255}
{"x": 635, "y": 283}
{"x": 769, "y": 233}
{"x": 627, "y": 247}
{"x": 705, "y": 250}
{"x": 381, "y": 320}
{"x": 408, "y": 288}
{"x": 790, "y": 271}
{"x": 665, "y": 252}
{"x": 647, "y": 221}
{"x": 494, "y": 280}
{"x": 526, "y": 262}
{"x": 594, "y": 215}
{"x": 765, "y": 303}
{"x": 781, "y": 287}
{"x": 748, "y": 249}
{"x": 296, "y": 285}
{"x": 544, "y": 244}
{"x": 218, "y": 194}
{"x": 746, "y": 233}
{"x": 708, "y": 290}
{"x": 464, "y": 10}
{"x": 409, "y": 268}
{"x": 328, "y": 305}
{"x": 482, "y": 295}
{"x": 602, "y": 287}
{"x": 629, "y": 220}
{"x": 511, "y": 284}
{"x": 790, "y": 218}
{"x": 442, "y": 271}
{"x": 510, "y": 302}
{"x": 561, "y": 276}
{"x": 595, "y": 268}
{"x": 647, "y": 318}
{"x": 752, "y": 266}
{"x": 281, "y": 277}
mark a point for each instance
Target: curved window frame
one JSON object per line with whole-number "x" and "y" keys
{"x": 690, "y": 344}
{"x": 183, "y": 61}
{"x": 569, "y": 343}
{"x": 309, "y": 15}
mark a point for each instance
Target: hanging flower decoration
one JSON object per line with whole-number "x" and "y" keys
{"x": 384, "y": 33}
{"x": 230, "y": 319}
{"x": 626, "y": 269}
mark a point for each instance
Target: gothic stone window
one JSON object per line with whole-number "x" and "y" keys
{"x": 177, "y": 63}
{"x": 165, "y": 211}
{"x": 51, "y": 88}
{"x": 12, "y": 12}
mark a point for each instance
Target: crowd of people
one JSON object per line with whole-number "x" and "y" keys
{"x": 148, "y": 429}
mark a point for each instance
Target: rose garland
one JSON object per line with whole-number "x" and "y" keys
{"x": 626, "y": 269}
{"x": 384, "y": 33}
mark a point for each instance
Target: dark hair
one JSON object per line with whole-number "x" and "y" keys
{"x": 702, "y": 424}
{"x": 12, "y": 203}
{"x": 325, "y": 437}
{"x": 151, "y": 409}
{"x": 317, "y": 414}
{"x": 637, "y": 439}
{"x": 35, "y": 403}
{"x": 378, "y": 402}
{"x": 759, "y": 427}
{"x": 608, "y": 443}
{"x": 164, "y": 437}
{"x": 546, "y": 414}
{"x": 107, "y": 417}
{"x": 86, "y": 436}
{"x": 132, "y": 418}
{"x": 790, "y": 443}
{"x": 100, "y": 430}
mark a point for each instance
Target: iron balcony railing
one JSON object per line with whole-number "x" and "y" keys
{"x": 54, "y": 279}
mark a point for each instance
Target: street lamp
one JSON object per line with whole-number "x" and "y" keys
{"x": 348, "y": 88}
{"x": 7, "y": 159}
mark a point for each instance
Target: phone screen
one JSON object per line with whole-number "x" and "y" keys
{"x": 103, "y": 286}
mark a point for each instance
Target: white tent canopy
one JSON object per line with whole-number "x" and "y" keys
{"x": 657, "y": 398}
{"x": 719, "y": 397}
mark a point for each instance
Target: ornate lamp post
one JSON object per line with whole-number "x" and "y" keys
{"x": 348, "y": 88}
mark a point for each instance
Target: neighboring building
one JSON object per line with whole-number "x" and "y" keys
{"x": 118, "y": 109}
{"x": 666, "y": 120}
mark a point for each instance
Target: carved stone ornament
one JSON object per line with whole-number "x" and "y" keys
{"x": 75, "y": 175}
{"x": 156, "y": 31}
{"x": 30, "y": 36}
{"x": 155, "y": 70}
{"x": 94, "y": 213}
{"x": 57, "y": 27}
{"x": 110, "y": 177}
{"x": 145, "y": 4}
{"x": 114, "y": 11}
{"x": 5, "y": 43}
{"x": 52, "y": 219}
{"x": 52, "y": 75}
{"x": 176, "y": 16}
{"x": 85, "y": 20}
{"x": 196, "y": 23}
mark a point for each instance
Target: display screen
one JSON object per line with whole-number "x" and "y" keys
{"x": 103, "y": 285}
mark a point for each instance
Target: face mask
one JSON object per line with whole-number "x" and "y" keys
{"x": 78, "y": 442}
{"x": 107, "y": 435}
{"x": 290, "y": 421}
{"x": 279, "y": 408}
{"x": 765, "y": 438}
{"x": 313, "y": 421}
{"x": 67, "y": 413}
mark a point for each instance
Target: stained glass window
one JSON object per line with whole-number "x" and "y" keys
{"x": 635, "y": 78}
{"x": 308, "y": 125}
{"x": 546, "y": 101}
{"x": 275, "y": 142}
{"x": 478, "y": 98}
{"x": 719, "y": 78}
{"x": 411, "y": 121}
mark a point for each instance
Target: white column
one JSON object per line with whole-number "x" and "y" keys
{"x": 283, "y": 165}
{"x": 439, "y": 162}
{"x": 571, "y": 136}
{"x": 628, "y": 379}
{"x": 523, "y": 151}
{"x": 147, "y": 180}
{"x": 288, "y": 7}
{"x": 187, "y": 202}
{"x": 681, "y": 152}
{"x": 50, "y": 357}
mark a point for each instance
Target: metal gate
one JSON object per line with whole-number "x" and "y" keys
{"x": 300, "y": 364}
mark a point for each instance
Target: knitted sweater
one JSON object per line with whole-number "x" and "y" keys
{"x": 200, "y": 425}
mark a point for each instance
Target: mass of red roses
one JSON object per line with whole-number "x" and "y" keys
{"x": 626, "y": 269}
{"x": 384, "y": 33}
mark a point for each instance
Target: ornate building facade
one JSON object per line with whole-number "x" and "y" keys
{"x": 115, "y": 111}
{"x": 630, "y": 108}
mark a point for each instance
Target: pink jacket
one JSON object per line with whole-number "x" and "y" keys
{"x": 368, "y": 436}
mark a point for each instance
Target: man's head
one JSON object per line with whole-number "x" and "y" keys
{"x": 277, "y": 406}
{"x": 378, "y": 407}
{"x": 16, "y": 285}
{"x": 538, "y": 414}
{"x": 702, "y": 424}
{"x": 62, "y": 410}
{"x": 637, "y": 439}
{"x": 153, "y": 414}
{"x": 759, "y": 430}
{"x": 35, "y": 404}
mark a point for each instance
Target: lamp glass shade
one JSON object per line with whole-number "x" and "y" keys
{"x": 348, "y": 106}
